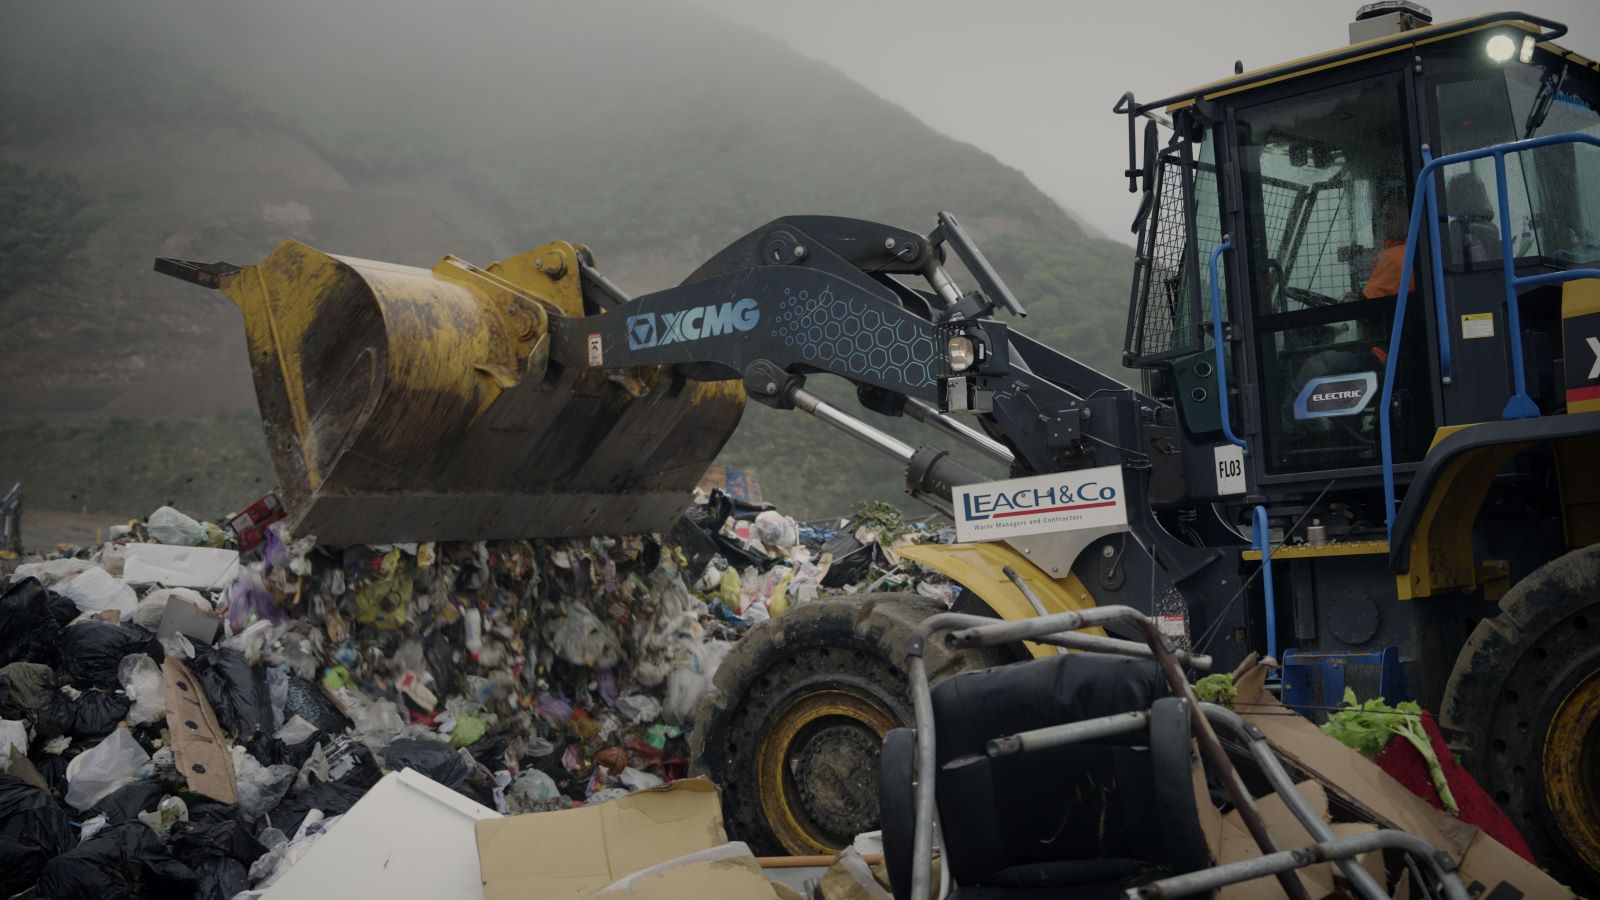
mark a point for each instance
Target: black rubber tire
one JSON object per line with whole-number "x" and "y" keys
{"x": 855, "y": 644}
{"x": 1511, "y": 677}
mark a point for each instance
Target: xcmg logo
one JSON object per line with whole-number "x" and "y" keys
{"x": 647, "y": 330}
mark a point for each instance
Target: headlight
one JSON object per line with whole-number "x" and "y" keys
{"x": 961, "y": 353}
{"x": 1500, "y": 48}
{"x": 1526, "y": 56}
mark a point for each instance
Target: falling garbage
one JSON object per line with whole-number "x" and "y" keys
{"x": 190, "y": 709}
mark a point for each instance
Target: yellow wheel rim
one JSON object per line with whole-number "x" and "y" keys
{"x": 782, "y": 801}
{"x": 1572, "y": 768}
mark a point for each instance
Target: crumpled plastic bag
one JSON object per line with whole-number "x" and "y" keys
{"x": 33, "y": 829}
{"x": 50, "y": 571}
{"x": 94, "y": 589}
{"x": 90, "y": 715}
{"x": 690, "y": 680}
{"x": 92, "y": 652}
{"x": 532, "y": 791}
{"x": 436, "y": 760}
{"x": 237, "y": 692}
{"x": 103, "y": 768}
{"x": 375, "y": 722}
{"x": 260, "y": 788}
{"x": 25, "y": 688}
{"x": 307, "y": 701}
{"x": 580, "y": 638}
{"x": 120, "y": 862}
{"x": 168, "y": 526}
{"x": 777, "y": 530}
{"x": 637, "y": 708}
{"x": 147, "y": 692}
{"x": 153, "y": 607}
{"x": 13, "y": 733}
{"x": 28, "y": 632}
{"x": 219, "y": 847}
{"x": 384, "y": 599}
{"x": 126, "y": 803}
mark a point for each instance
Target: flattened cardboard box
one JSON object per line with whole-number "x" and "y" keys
{"x": 1487, "y": 867}
{"x": 574, "y": 852}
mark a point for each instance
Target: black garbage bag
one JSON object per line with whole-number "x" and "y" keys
{"x": 121, "y": 862}
{"x": 436, "y": 760}
{"x": 125, "y": 803}
{"x": 25, "y": 688}
{"x": 217, "y": 878}
{"x": 92, "y": 650}
{"x": 56, "y": 719}
{"x": 53, "y": 769}
{"x": 334, "y": 798}
{"x": 96, "y": 713}
{"x": 27, "y": 631}
{"x": 33, "y": 829}
{"x": 237, "y": 692}
{"x": 851, "y": 560}
{"x": 307, "y": 701}
{"x": 213, "y": 831}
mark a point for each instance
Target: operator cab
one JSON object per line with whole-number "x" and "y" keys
{"x": 1309, "y": 169}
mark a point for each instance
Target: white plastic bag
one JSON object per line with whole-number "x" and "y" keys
{"x": 260, "y": 788}
{"x": 103, "y": 768}
{"x": 150, "y": 610}
{"x": 530, "y": 790}
{"x": 168, "y": 526}
{"x": 51, "y": 570}
{"x": 776, "y": 530}
{"x": 93, "y": 590}
{"x": 141, "y": 681}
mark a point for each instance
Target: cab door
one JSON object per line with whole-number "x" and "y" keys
{"x": 1324, "y": 174}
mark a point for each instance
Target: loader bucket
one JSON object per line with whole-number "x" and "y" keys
{"x": 407, "y": 404}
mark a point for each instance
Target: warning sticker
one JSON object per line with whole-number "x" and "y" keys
{"x": 597, "y": 354}
{"x": 1477, "y": 325}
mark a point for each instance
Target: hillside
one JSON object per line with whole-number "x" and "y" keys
{"x": 402, "y": 131}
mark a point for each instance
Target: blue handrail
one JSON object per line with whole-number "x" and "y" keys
{"x": 1261, "y": 537}
{"x": 1519, "y": 405}
{"x": 1216, "y": 343}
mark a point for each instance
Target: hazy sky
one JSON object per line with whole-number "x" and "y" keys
{"x": 1033, "y": 81}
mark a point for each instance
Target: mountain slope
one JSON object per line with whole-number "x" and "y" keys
{"x": 402, "y": 131}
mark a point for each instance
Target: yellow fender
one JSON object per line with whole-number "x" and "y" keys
{"x": 980, "y": 568}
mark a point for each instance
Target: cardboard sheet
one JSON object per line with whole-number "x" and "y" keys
{"x": 1486, "y": 865}
{"x": 729, "y": 870}
{"x": 198, "y": 742}
{"x": 574, "y": 852}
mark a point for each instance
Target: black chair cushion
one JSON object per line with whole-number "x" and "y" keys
{"x": 897, "y": 806}
{"x": 1084, "y": 801}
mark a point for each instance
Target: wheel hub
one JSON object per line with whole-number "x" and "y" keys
{"x": 818, "y": 770}
{"x": 836, "y": 773}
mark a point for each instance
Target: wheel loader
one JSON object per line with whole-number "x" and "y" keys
{"x": 1364, "y": 327}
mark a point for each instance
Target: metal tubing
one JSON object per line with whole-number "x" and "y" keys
{"x": 1519, "y": 405}
{"x": 1030, "y": 596}
{"x": 1285, "y": 861}
{"x": 1094, "y": 643}
{"x": 828, "y": 414}
{"x": 927, "y": 770}
{"x": 929, "y": 415}
{"x": 942, "y": 283}
{"x": 980, "y": 631}
{"x": 1068, "y": 733}
{"x": 1366, "y": 887}
{"x": 989, "y": 631}
{"x": 1216, "y": 757}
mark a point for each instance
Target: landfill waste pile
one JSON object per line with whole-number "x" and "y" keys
{"x": 187, "y": 707}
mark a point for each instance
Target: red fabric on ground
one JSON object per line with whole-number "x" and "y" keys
{"x": 1405, "y": 764}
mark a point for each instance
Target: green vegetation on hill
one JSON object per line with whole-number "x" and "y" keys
{"x": 43, "y": 217}
{"x": 652, "y": 132}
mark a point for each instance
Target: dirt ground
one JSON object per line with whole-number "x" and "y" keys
{"x": 45, "y": 529}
